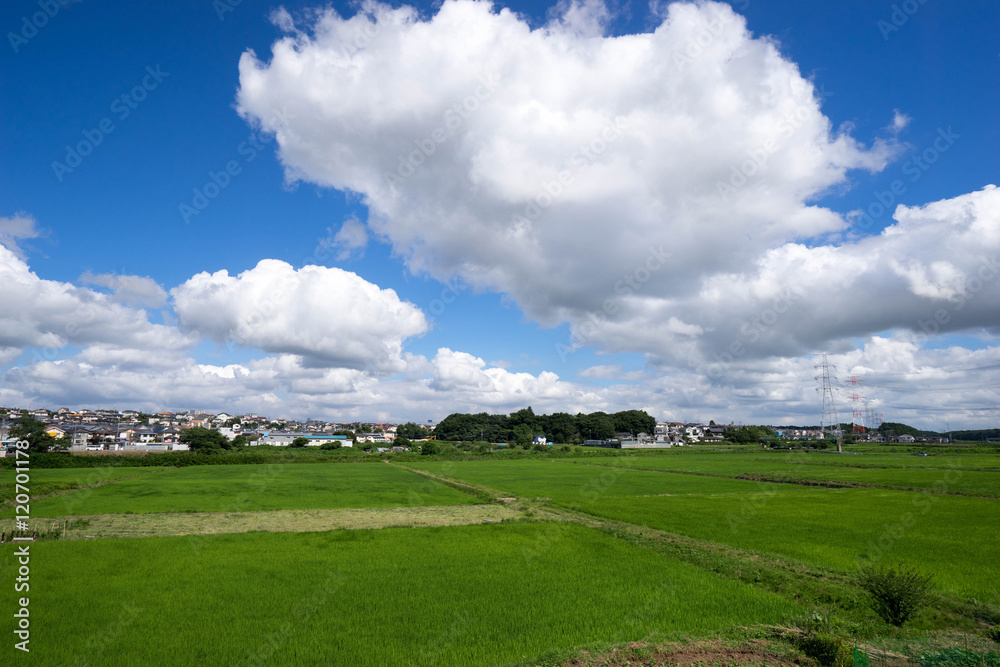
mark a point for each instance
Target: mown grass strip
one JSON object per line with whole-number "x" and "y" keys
{"x": 105, "y": 526}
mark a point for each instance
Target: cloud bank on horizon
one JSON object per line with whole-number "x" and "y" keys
{"x": 658, "y": 192}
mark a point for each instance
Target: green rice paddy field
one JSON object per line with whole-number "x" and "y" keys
{"x": 449, "y": 596}
{"x": 536, "y": 585}
{"x": 968, "y": 475}
{"x": 45, "y": 481}
{"x": 955, "y": 537}
{"x": 247, "y": 487}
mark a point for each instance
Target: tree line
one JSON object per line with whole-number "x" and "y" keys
{"x": 561, "y": 428}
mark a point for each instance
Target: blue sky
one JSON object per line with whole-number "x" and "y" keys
{"x": 188, "y": 111}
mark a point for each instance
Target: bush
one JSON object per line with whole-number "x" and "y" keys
{"x": 827, "y": 650}
{"x": 330, "y": 445}
{"x": 897, "y": 593}
{"x": 994, "y": 633}
{"x": 299, "y": 442}
{"x": 428, "y": 447}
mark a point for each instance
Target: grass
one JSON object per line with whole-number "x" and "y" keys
{"x": 949, "y": 474}
{"x": 955, "y": 538}
{"x": 52, "y": 480}
{"x": 640, "y": 554}
{"x": 104, "y": 526}
{"x": 430, "y": 596}
{"x": 567, "y": 482}
{"x": 232, "y": 488}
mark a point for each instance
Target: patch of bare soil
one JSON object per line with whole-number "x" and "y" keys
{"x": 703, "y": 654}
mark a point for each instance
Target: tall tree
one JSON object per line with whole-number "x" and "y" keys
{"x": 204, "y": 440}
{"x": 28, "y": 428}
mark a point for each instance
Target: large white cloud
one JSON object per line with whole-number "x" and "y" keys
{"x": 328, "y": 316}
{"x": 552, "y": 164}
{"x": 652, "y": 190}
{"x": 49, "y": 314}
{"x": 936, "y": 270}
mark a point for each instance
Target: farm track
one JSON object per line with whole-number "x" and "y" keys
{"x": 105, "y": 526}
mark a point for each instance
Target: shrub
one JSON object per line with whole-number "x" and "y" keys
{"x": 428, "y": 447}
{"x": 994, "y": 633}
{"x": 299, "y": 442}
{"x": 330, "y": 445}
{"x": 897, "y": 593}
{"x": 827, "y": 650}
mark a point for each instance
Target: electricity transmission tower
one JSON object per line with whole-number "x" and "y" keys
{"x": 857, "y": 401}
{"x": 829, "y": 423}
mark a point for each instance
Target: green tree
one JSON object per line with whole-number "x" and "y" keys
{"x": 28, "y": 428}
{"x": 560, "y": 427}
{"x": 746, "y": 435}
{"x": 204, "y": 440}
{"x": 596, "y": 426}
{"x": 412, "y": 431}
{"x": 402, "y": 441}
{"x": 634, "y": 422}
{"x": 429, "y": 447}
{"x": 299, "y": 442}
{"x": 62, "y": 443}
{"x": 240, "y": 441}
{"x": 896, "y": 593}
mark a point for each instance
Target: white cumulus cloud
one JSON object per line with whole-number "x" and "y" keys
{"x": 327, "y": 316}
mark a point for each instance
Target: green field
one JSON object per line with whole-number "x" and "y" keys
{"x": 957, "y": 538}
{"x": 695, "y": 457}
{"x": 563, "y": 481}
{"x": 950, "y": 474}
{"x": 50, "y": 480}
{"x": 576, "y": 558}
{"x": 231, "y": 488}
{"x": 476, "y": 595}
